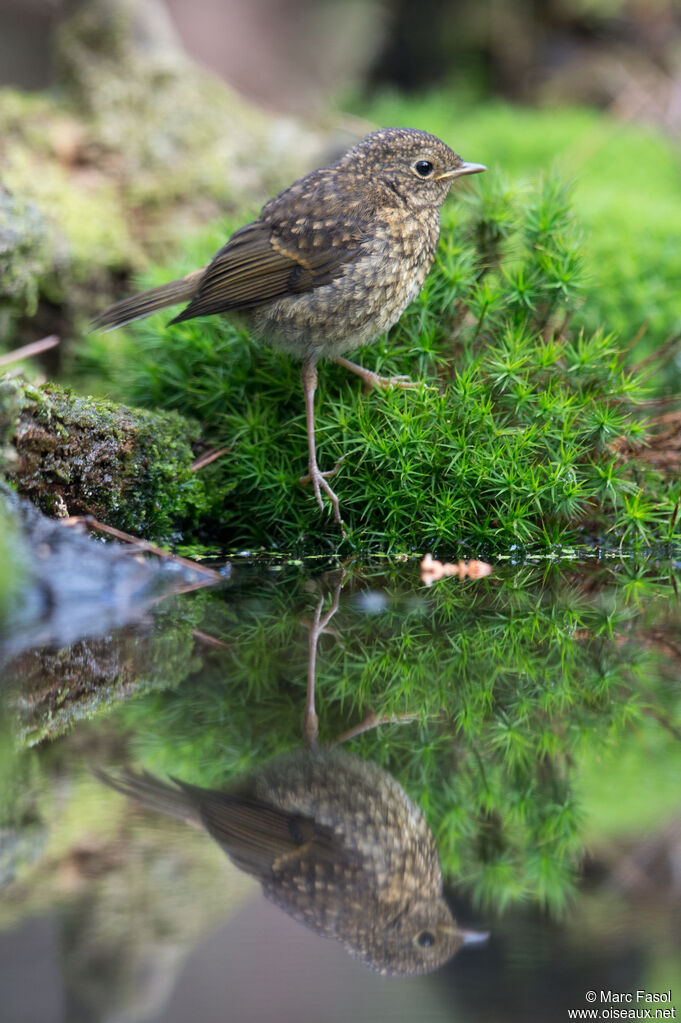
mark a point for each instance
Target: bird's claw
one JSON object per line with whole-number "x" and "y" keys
{"x": 388, "y": 383}
{"x": 315, "y": 473}
{"x": 318, "y": 480}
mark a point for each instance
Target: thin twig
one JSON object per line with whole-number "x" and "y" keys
{"x": 143, "y": 545}
{"x": 659, "y": 357}
{"x": 205, "y": 637}
{"x": 664, "y": 399}
{"x": 189, "y": 588}
{"x": 638, "y": 336}
{"x": 26, "y": 351}
{"x": 210, "y": 456}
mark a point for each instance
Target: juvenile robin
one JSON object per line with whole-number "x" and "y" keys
{"x": 330, "y": 263}
{"x": 337, "y": 843}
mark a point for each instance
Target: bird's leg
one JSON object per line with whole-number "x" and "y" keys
{"x": 372, "y": 379}
{"x": 311, "y": 721}
{"x": 314, "y": 476}
{"x": 317, "y": 629}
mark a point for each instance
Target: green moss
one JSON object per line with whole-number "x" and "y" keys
{"x": 87, "y": 225}
{"x": 180, "y": 134}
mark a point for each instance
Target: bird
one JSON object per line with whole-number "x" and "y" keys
{"x": 329, "y": 265}
{"x": 336, "y": 842}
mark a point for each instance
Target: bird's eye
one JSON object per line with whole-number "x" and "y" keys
{"x": 425, "y": 939}
{"x": 423, "y": 168}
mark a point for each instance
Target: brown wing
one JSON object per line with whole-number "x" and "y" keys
{"x": 256, "y": 836}
{"x": 260, "y": 263}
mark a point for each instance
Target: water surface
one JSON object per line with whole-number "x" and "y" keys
{"x": 533, "y": 716}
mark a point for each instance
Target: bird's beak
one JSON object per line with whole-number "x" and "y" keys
{"x": 465, "y": 168}
{"x": 468, "y": 937}
{"x": 474, "y": 937}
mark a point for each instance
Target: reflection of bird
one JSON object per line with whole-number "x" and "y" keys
{"x": 337, "y": 843}
{"x": 330, "y": 263}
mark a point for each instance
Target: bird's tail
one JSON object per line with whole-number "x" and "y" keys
{"x": 153, "y": 793}
{"x": 147, "y": 302}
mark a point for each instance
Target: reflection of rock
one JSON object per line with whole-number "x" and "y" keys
{"x": 60, "y": 687}
{"x": 68, "y": 585}
{"x": 644, "y": 869}
{"x": 19, "y": 845}
{"x": 335, "y": 842}
{"x": 128, "y": 899}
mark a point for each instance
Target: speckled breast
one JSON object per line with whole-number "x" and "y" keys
{"x": 365, "y": 300}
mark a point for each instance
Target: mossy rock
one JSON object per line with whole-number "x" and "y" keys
{"x": 74, "y": 455}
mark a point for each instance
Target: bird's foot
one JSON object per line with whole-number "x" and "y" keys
{"x": 372, "y": 379}
{"x": 318, "y": 480}
{"x": 387, "y": 383}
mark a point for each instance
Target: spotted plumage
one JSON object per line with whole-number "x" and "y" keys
{"x": 336, "y": 842}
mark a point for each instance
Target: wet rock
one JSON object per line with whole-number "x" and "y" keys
{"x": 65, "y": 585}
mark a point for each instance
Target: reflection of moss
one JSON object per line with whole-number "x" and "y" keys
{"x": 650, "y": 753}
{"x": 508, "y": 679}
{"x": 129, "y": 468}
{"x": 11, "y": 571}
{"x": 22, "y": 830}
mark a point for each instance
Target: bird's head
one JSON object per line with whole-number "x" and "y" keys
{"x": 419, "y": 938}
{"x": 418, "y": 167}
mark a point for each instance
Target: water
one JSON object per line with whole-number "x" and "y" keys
{"x": 534, "y": 716}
